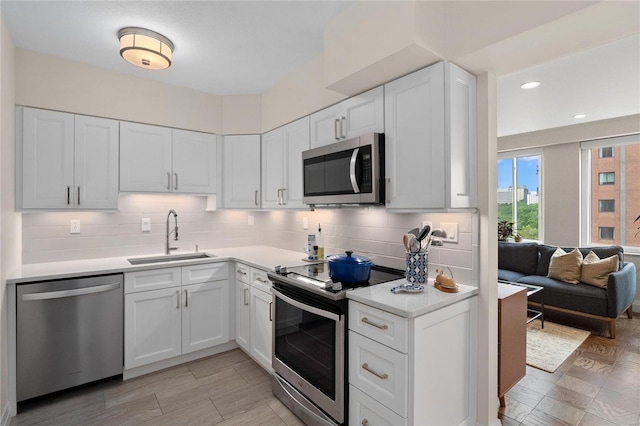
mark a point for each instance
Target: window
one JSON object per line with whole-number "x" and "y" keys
{"x": 605, "y": 206}
{"x": 611, "y": 192}
{"x": 606, "y": 152}
{"x": 605, "y": 232}
{"x": 522, "y": 205}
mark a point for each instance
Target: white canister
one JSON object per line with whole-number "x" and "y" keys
{"x": 311, "y": 253}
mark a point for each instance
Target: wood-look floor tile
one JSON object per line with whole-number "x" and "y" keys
{"x": 604, "y": 346}
{"x": 560, "y": 410}
{"x": 514, "y": 409}
{"x": 133, "y": 413}
{"x": 201, "y": 413}
{"x": 241, "y": 400}
{"x": 209, "y": 387}
{"x": 252, "y": 372}
{"x": 631, "y": 357}
{"x": 131, "y": 390}
{"x": 593, "y": 420}
{"x": 208, "y": 366}
{"x": 259, "y": 415}
{"x": 617, "y": 399}
{"x": 624, "y": 373}
{"x": 536, "y": 384}
{"x": 86, "y": 400}
{"x": 283, "y": 412}
{"x": 587, "y": 375}
{"x": 508, "y": 421}
{"x": 595, "y": 366}
{"x": 612, "y": 413}
{"x": 525, "y": 395}
{"x": 630, "y": 388}
{"x": 568, "y": 396}
{"x": 578, "y": 385}
{"x": 541, "y": 374}
{"x": 540, "y": 418}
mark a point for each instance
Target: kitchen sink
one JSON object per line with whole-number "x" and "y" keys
{"x": 168, "y": 258}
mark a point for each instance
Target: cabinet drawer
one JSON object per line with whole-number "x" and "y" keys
{"x": 381, "y": 326}
{"x": 196, "y": 274}
{"x": 243, "y": 273}
{"x": 364, "y": 410}
{"x": 379, "y": 371}
{"x": 260, "y": 280}
{"x": 153, "y": 279}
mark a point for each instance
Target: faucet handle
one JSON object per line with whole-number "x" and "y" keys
{"x": 173, "y": 248}
{"x": 196, "y": 248}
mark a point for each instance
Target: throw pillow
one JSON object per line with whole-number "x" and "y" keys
{"x": 565, "y": 266}
{"x": 595, "y": 271}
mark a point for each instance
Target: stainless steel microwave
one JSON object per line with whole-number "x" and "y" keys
{"x": 347, "y": 172}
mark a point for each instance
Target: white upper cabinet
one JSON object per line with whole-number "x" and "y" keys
{"x": 430, "y": 139}
{"x": 160, "y": 159}
{"x": 282, "y": 165}
{"x": 65, "y": 161}
{"x": 241, "y": 171}
{"x": 350, "y": 118}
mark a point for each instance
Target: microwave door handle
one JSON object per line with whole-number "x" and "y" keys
{"x": 352, "y": 170}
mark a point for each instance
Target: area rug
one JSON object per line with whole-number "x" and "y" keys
{"x": 548, "y": 348}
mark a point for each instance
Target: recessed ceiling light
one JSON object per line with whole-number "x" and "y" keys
{"x": 580, "y": 116}
{"x": 530, "y": 85}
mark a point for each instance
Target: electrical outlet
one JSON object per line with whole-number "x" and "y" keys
{"x": 305, "y": 223}
{"x": 146, "y": 225}
{"x": 452, "y": 231}
{"x": 74, "y": 227}
{"x": 250, "y": 220}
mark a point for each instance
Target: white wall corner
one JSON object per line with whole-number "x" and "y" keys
{"x": 5, "y": 419}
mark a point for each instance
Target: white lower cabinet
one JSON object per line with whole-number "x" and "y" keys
{"x": 172, "y": 320}
{"x": 243, "y": 312}
{"x": 261, "y": 334}
{"x": 429, "y": 381}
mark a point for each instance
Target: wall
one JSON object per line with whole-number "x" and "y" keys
{"x": 241, "y": 114}
{"x": 10, "y": 240}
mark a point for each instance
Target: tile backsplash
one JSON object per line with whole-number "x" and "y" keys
{"x": 369, "y": 231}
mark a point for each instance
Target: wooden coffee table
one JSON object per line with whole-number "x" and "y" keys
{"x": 531, "y": 289}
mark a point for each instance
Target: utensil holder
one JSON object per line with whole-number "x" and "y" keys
{"x": 417, "y": 267}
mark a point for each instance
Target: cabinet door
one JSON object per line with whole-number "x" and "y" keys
{"x": 205, "y": 315}
{"x": 242, "y": 315}
{"x": 47, "y": 158}
{"x": 414, "y": 140}
{"x": 261, "y": 331}
{"x": 96, "y": 163}
{"x": 325, "y": 126}
{"x": 462, "y": 191}
{"x": 241, "y": 175}
{"x": 152, "y": 326}
{"x": 145, "y": 158}
{"x": 363, "y": 114}
{"x": 296, "y": 140}
{"x": 194, "y": 162}
{"x": 273, "y": 164}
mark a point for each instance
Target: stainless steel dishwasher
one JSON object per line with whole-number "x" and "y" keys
{"x": 69, "y": 332}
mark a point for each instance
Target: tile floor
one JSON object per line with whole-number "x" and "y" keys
{"x": 225, "y": 389}
{"x": 599, "y": 384}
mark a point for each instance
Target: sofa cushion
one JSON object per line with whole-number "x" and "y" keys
{"x": 506, "y": 275}
{"x": 518, "y": 257}
{"x": 595, "y": 271}
{"x": 579, "y": 297}
{"x": 565, "y": 266}
{"x": 545, "y": 252}
{"x": 606, "y": 251}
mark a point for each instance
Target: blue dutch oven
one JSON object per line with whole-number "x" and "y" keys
{"x": 348, "y": 268}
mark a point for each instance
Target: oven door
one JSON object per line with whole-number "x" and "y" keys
{"x": 308, "y": 349}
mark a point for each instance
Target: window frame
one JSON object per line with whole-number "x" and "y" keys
{"x": 601, "y": 151}
{"x": 606, "y": 211}
{"x": 607, "y": 182}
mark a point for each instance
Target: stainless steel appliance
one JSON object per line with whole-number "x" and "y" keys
{"x": 347, "y": 172}
{"x": 69, "y": 332}
{"x": 310, "y": 340}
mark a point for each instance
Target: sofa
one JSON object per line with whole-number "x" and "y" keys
{"x": 528, "y": 263}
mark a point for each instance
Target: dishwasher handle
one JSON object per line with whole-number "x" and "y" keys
{"x": 70, "y": 293}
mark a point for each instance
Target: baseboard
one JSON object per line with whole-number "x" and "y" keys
{"x": 6, "y": 415}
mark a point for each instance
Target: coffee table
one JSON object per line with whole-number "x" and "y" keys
{"x": 531, "y": 289}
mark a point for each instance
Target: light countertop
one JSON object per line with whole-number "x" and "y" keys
{"x": 409, "y": 305}
{"x": 263, "y": 257}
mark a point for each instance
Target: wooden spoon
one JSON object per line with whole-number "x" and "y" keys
{"x": 406, "y": 238}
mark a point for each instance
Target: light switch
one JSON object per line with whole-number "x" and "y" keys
{"x": 146, "y": 225}
{"x": 305, "y": 223}
{"x": 74, "y": 227}
{"x": 452, "y": 231}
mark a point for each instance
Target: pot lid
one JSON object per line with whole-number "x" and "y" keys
{"x": 349, "y": 259}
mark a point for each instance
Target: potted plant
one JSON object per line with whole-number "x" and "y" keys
{"x": 637, "y": 220}
{"x": 505, "y": 230}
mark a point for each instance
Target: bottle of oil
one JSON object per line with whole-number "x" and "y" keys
{"x": 320, "y": 243}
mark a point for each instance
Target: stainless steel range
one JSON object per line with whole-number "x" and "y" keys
{"x": 310, "y": 340}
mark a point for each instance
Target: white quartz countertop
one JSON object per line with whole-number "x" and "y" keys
{"x": 409, "y": 305}
{"x": 263, "y": 257}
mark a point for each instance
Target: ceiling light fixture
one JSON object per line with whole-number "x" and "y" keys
{"x": 580, "y": 116}
{"x": 530, "y": 85}
{"x": 145, "y": 48}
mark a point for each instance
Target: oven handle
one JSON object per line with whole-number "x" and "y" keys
{"x": 304, "y": 307}
{"x": 283, "y": 386}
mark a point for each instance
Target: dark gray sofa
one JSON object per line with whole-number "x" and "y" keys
{"x": 528, "y": 263}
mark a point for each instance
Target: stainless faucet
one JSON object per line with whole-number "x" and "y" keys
{"x": 175, "y": 231}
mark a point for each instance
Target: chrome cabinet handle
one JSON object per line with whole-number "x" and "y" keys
{"x": 177, "y": 299}
{"x": 270, "y": 311}
{"x": 279, "y": 196}
{"x": 241, "y": 271}
{"x": 387, "y": 181}
{"x": 168, "y": 180}
{"x": 352, "y": 170}
{"x": 246, "y": 301}
{"x": 335, "y": 129}
{"x": 175, "y": 184}
{"x": 343, "y": 135}
{"x": 262, "y": 280}
{"x": 78, "y": 195}
{"x": 255, "y": 197}
{"x": 365, "y": 422}
{"x": 283, "y": 202}
{"x": 68, "y": 195}
{"x": 186, "y": 299}
{"x": 383, "y": 376}
{"x": 376, "y": 325}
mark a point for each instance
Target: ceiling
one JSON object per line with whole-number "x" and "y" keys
{"x": 245, "y": 47}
